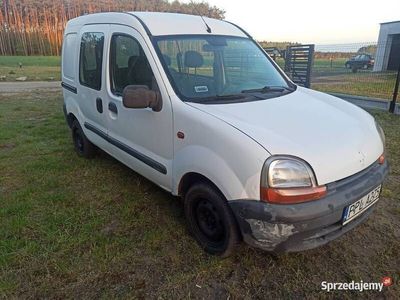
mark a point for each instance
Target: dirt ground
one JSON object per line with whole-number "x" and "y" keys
{"x": 18, "y": 87}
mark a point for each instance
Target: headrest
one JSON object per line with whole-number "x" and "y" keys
{"x": 132, "y": 59}
{"x": 193, "y": 59}
{"x": 167, "y": 59}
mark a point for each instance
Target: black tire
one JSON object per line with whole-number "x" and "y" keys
{"x": 82, "y": 145}
{"x": 211, "y": 220}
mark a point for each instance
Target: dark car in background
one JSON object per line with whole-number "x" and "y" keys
{"x": 360, "y": 61}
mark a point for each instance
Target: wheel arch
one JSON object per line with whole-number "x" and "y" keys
{"x": 70, "y": 119}
{"x": 191, "y": 178}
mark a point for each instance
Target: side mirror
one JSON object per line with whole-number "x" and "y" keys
{"x": 140, "y": 96}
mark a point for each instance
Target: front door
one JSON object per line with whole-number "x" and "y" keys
{"x": 141, "y": 138}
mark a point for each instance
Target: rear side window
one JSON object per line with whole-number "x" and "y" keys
{"x": 129, "y": 64}
{"x": 68, "y": 56}
{"x": 91, "y": 59}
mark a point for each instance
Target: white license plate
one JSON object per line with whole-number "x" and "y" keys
{"x": 357, "y": 208}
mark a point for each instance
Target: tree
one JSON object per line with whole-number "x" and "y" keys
{"x": 35, "y": 27}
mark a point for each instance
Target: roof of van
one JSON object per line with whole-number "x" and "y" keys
{"x": 161, "y": 23}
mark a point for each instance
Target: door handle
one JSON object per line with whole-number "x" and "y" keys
{"x": 112, "y": 107}
{"x": 99, "y": 105}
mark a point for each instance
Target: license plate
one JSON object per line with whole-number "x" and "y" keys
{"x": 357, "y": 208}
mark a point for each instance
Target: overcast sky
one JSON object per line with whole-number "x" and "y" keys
{"x": 311, "y": 21}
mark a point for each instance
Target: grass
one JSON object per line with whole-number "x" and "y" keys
{"x": 77, "y": 228}
{"x": 35, "y": 68}
{"x": 369, "y": 84}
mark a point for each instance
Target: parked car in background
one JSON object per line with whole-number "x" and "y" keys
{"x": 361, "y": 61}
{"x": 197, "y": 106}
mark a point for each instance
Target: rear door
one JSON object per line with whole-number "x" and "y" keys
{"x": 141, "y": 138}
{"x": 91, "y": 87}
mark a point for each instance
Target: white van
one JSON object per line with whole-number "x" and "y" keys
{"x": 196, "y": 106}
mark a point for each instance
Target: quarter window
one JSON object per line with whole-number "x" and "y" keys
{"x": 129, "y": 64}
{"x": 91, "y": 58}
{"x": 68, "y": 56}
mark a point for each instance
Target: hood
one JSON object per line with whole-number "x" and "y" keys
{"x": 336, "y": 138}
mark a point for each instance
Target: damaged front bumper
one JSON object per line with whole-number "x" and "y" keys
{"x": 297, "y": 227}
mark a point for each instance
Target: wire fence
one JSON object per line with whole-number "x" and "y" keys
{"x": 362, "y": 69}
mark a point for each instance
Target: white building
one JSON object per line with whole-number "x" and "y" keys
{"x": 388, "y": 50}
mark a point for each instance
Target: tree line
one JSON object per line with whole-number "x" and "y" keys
{"x": 35, "y": 27}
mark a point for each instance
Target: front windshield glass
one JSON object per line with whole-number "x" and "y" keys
{"x": 219, "y": 67}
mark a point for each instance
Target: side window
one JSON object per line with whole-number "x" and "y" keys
{"x": 128, "y": 64}
{"x": 91, "y": 59}
{"x": 68, "y": 56}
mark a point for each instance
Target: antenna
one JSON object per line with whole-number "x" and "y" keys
{"x": 201, "y": 16}
{"x": 208, "y": 27}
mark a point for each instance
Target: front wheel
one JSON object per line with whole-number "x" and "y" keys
{"x": 211, "y": 221}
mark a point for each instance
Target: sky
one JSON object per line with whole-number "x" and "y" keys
{"x": 310, "y": 21}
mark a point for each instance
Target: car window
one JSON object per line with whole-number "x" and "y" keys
{"x": 210, "y": 67}
{"x": 91, "y": 59}
{"x": 128, "y": 64}
{"x": 68, "y": 56}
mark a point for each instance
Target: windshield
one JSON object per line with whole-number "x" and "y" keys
{"x": 204, "y": 68}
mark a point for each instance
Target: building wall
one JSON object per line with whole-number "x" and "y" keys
{"x": 385, "y": 40}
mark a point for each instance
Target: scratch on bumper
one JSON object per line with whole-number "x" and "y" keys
{"x": 268, "y": 235}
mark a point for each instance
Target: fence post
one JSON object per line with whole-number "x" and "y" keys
{"x": 395, "y": 92}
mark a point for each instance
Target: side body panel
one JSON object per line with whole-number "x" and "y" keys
{"x": 218, "y": 151}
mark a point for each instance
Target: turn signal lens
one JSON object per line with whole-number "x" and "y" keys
{"x": 292, "y": 195}
{"x": 381, "y": 159}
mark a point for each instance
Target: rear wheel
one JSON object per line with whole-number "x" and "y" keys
{"x": 211, "y": 220}
{"x": 82, "y": 145}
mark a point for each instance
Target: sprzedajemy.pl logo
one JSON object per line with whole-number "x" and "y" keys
{"x": 356, "y": 285}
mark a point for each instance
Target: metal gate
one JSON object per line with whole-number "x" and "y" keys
{"x": 298, "y": 63}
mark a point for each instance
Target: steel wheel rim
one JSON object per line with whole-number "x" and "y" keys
{"x": 209, "y": 222}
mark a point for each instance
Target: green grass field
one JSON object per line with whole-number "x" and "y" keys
{"x": 76, "y": 228}
{"x": 368, "y": 84}
{"x": 35, "y": 68}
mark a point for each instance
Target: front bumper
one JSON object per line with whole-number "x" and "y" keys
{"x": 297, "y": 227}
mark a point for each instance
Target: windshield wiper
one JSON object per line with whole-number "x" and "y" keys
{"x": 268, "y": 89}
{"x": 221, "y": 97}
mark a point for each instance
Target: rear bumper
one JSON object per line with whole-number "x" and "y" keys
{"x": 297, "y": 227}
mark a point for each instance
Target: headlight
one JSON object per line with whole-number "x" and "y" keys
{"x": 287, "y": 179}
{"x": 287, "y": 173}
